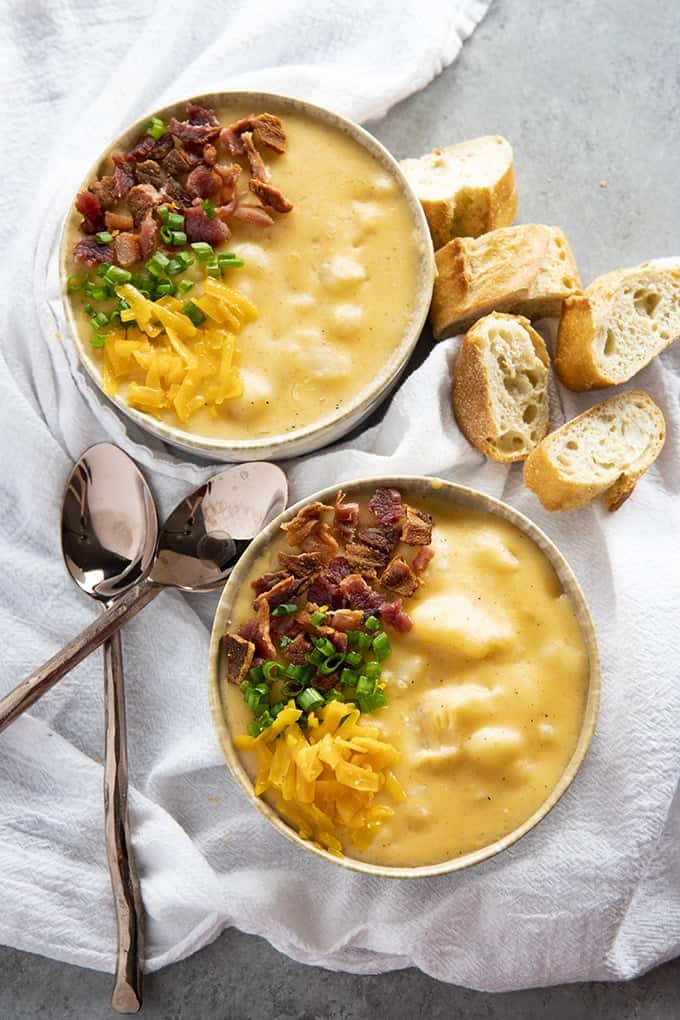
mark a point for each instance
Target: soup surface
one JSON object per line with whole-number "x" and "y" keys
{"x": 486, "y": 691}
{"x": 334, "y": 282}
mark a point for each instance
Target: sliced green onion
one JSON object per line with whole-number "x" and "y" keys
{"x": 175, "y": 221}
{"x": 278, "y": 707}
{"x": 365, "y": 686}
{"x": 372, "y": 670}
{"x": 262, "y": 688}
{"x": 89, "y": 310}
{"x": 310, "y": 699}
{"x": 253, "y": 701}
{"x": 163, "y": 213}
{"x": 372, "y": 623}
{"x": 158, "y": 263}
{"x": 194, "y": 313}
{"x": 178, "y": 238}
{"x": 285, "y": 640}
{"x": 185, "y": 258}
{"x": 364, "y": 641}
{"x": 74, "y": 283}
{"x": 175, "y": 267}
{"x": 325, "y": 646}
{"x": 349, "y": 678}
{"x": 102, "y": 268}
{"x": 286, "y": 609}
{"x": 352, "y": 638}
{"x": 369, "y": 702}
{"x": 185, "y": 286}
{"x": 212, "y": 269}
{"x": 104, "y": 237}
{"x": 381, "y": 645}
{"x": 204, "y": 251}
{"x": 294, "y": 671}
{"x": 353, "y": 659}
{"x": 315, "y": 657}
{"x": 98, "y": 340}
{"x": 117, "y": 276}
{"x": 165, "y": 287}
{"x": 155, "y": 128}
{"x": 166, "y": 234}
{"x": 255, "y": 675}
{"x": 244, "y": 686}
{"x": 100, "y": 319}
{"x": 272, "y": 670}
{"x": 225, "y": 261}
{"x": 317, "y": 618}
{"x": 208, "y": 208}
{"x": 335, "y": 695}
{"x": 96, "y": 293}
{"x": 332, "y": 664}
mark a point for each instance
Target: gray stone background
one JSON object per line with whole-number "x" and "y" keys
{"x": 588, "y": 92}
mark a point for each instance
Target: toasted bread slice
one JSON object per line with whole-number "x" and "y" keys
{"x": 500, "y": 387}
{"x": 465, "y": 189}
{"x": 602, "y": 452}
{"x": 621, "y": 321}
{"x": 527, "y": 269}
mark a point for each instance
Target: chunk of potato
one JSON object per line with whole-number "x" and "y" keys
{"x": 462, "y": 623}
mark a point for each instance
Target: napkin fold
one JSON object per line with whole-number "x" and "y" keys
{"x": 593, "y": 892}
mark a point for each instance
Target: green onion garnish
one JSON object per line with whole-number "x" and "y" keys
{"x": 272, "y": 670}
{"x": 194, "y": 313}
{"x": 325, "y": 646}
{"x": 155, "y": 127}
{"x": 165, "y": 287}
{"x": 226, "y": 260}
{"x": 178, "y": 237}
{"x": 208, "y": 208}
{"x": 353, "y": 659}
{"x": 255, "y": 675}
{"x": 166, "y": 234}
{"x": 185, "y": 258}
{"x": 286, "y": 609}
{"x": 74, "y": 283}
{"x": 100, "y": 319}
{"x": 175, "y": 221}
{"x": 158, "y": 263}
{"x": 381, "y": 645}
{"x": 372, "y": 670}
{"x": 352, "y": 638}
{"x": 317, "y": 618}
{"x": 369, "y": 702}
{"x": 96, "y": 293}
{"x": 365, "y": 685}
{"x": 349, "y": 678}
{"x": 104, "y": 237}
{"x": 335, "y": 695}
{"x": 372, "y": 623}
{"x": 163, "y": 213}
{"x": 285, "y": 640}
{"x": 212, "y": 269}
{"x": 294, "y": 671}
{"x": 185, "y": 286}
{"x": 204, "y": 251}
{"x": 310, "y": 699}
{"x": 98, "y": 340}
{"x": 117, "y": 276}
{"x": 174, "y": 267}
{"x": 364, "y": 641}
{"x": 332, "y": 663}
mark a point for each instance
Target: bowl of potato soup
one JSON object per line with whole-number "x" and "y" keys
{"x": 246, "y": 275}
{"x": 403, "y": 675}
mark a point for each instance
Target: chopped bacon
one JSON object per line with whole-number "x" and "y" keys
{"x": 279, "y": 592}
{"x": 321, "y": 539}
{"x": 252, "y": 214}
{"x": 303, "y": 565}
{"x": 238, "y": 654}
{"x": 394, "y": 615}
{"x": 267, "y": 581}
{"x": 269, "y": 195}
{"x": 150, "y": 172}
{"x": 417, "y": 527}
{"x": 297, "y": 650}
{"x": 118, "y": 221}
{"x": 304, "y": 522}
{"x": 174, "y": 192}
{"x": 141, "y": 200}
{"x": 148, "y": 236}
{"x": 209, "y": 154}
{"x": 125, "y": 249}
{"x": 336, "y": 569}
{"x": 105, "y": 190}
{"x": 124, "y": 176}
{"x": 255, "y": 162}
{"x": 266, "y": 127}
{"x": 142, "y": 150}
{"x": 200, "y": 127}
{"x": 326, "y": 683}
{"x": 383, "y": 537}
{"x": 346, "y": 517}
{"x": 179, "y": 161}
{"x": 358, "y": 594}
{"x": 162, "y": 147}
{"x": 365, "y": 559}
{"x": 323, "y": 592}
{"x": 385, "y": 504}
{"x": 422, "y": 558}
{"x": 398, "y": 576}
{"x": 229, "y": 174}
{"x": 203, "y": 182}
{"x": 346, "y": 619}
{"x": 89, "y": 206}
{"x": 92, "y": 253}
{"x": 339, "y": 639}
{"x": 257, "y": 631}
{"x": 200, "y": 227}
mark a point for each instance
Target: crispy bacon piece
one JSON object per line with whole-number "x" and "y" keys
{"x": 394, "y": 615}
{"x": 150, "y": 172}
{"x": 201, "y": 125}
{"x": 229, "y": 174}
{"x": 142, "y": 150}
{"x": 125, "y": 249}
{"x": 200, "y": 227}
{"x": 175, "y": 193}
{"x": 399, "y": 577}
{"x": 92, "y": 253}
{"x": 339, "y": 639}
{"x": 336, "y": 569}
{"x": 321, "y": 539}
{"x": 297, "y": 650}
{"x": 257, "y": 630}
{"x": 416, "y": 528}
{"x": 124, "y": 176}
{"x": 422, "y": 558}
{"x": 203, "y": 182}
{"x": 267, "y": 581}
{"x": 278, "y": 592}
{"x": 209, "y": 154}
{"x": 385, "y": 504}
{"x": 346, "y": 517}
{"x": 105, "y": 190}
{"x": 142, "y": 199}
{"x": 238, "y": 654}
{"x": 303, "y": 565}
{"x": 346, "y": 619}
{"x": 148, "y": 236}
{"x": 89, "y": 206}
{"x": 162, "y": 146}
{"x": 383, "y": 537}
{"x": 365, "y": 559}
{"x": 179, "y": 161}
{"x": 304, "y": 522}
{"x": 269, "y": 195}
{"x": 118, "y": 221}
{"x": 255, "y": 162}
{"x": 266, "y": 127}
{"x": 358, "y": 594}
{"x": 252, "y": 214}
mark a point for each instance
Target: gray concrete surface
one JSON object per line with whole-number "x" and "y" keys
{"x": 589, "y": 94}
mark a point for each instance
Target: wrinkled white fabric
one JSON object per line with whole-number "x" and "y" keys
{"x": 593, "y": 892}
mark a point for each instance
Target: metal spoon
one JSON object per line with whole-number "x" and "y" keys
{"x": 198, "y": 546}
{"x": 109, "y": 532}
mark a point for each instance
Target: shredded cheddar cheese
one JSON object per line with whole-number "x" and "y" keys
{"x": 167, "y": 361}
{"x": 326, "y": 777}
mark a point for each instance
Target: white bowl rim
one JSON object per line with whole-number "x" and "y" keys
{"x": 333, "y": 427}
{"x": 458, "y": 495}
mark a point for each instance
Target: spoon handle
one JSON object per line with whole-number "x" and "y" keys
{"x": 39, "y": 682}
{"x": 127, "y": 899}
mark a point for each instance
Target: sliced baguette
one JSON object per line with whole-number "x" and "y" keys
{"x": 619, "y": 323}
{"x": 500, "y": 387}
{"x": 465, "y": 189}
{"x": 527, "y": 269}
{"x": 602, "y": 452}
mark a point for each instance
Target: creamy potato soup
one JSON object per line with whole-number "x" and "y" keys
{"x": 333, "y": 283}
{"x": 485, "y": 693}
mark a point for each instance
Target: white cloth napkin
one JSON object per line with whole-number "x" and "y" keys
{"x": 594, "y": 891}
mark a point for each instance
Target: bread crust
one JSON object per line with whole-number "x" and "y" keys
{"x": 556, "y": 491}
{"x": 471, "y": 393}
{"x": 513, "y": 269}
